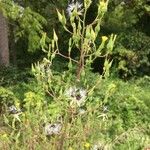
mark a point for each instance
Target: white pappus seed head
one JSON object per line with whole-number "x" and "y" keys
{"x": 76, "y": 95}
{"x": 52, "y": 129}
{"x": 74, "y": 5}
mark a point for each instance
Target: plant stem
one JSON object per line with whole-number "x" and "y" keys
{"x": 82, "y": 53}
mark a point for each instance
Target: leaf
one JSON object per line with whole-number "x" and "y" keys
{"x": 42, "y": 41}
{"x": 61, "y": 17}
{"x": 55, "y": 36}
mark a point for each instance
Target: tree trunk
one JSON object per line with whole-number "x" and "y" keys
{"x": 4, "y": 48}
{"x": 12, "y": 48}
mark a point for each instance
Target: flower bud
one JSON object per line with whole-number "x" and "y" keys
{"x": 104, "y": 38}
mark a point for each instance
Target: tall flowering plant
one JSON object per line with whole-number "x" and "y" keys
{"x": 65, "y": 106}
{"x": 83, "y": 37}
{"x": 70, "y": 92}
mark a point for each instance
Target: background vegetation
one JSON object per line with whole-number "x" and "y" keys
{"x": 35, "y": 109}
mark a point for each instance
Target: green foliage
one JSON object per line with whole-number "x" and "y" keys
{"x": 129, "y": 19}
{"x": 12, "y": 76}
{"x": 28, "y": 24}
{"x": 120, "y": 18}
{"x": 7, "y": 98}
{"x": 115, "y": 116}
{"x": 75, "y": 108}
{"x": 132, "y": 53}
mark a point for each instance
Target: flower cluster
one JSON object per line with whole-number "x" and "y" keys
{"x": 45, "y": 66}
{"x": 52, "y": 129}
{"x": 77, "y": 95}
{"x": 13, "y": 110}
{"x": 16, "y": 112}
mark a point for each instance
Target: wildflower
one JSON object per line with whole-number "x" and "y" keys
{"x": 72, "y": 6}
{"x": 87, "y": 145}
{"x": 45, "y": 66}
{"x": 70, "y": 148}
{"x": 77, "y": 95}
{"x": 52, "y": 129}
{"x": 4, "y": 135}
{"x": 97, "y": 146}
{"x": 103, "y": 6}
{"x": 104, "y": 38}
{"x": 82, "y": 111}
{"x": 105, "y": 109}
{"x": 13, "y": 110}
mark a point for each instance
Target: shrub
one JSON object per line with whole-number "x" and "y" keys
{"x": 7, "y": 98}
{"x": 132, "y": 53}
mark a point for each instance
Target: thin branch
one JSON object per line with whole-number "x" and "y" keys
{"x": 67, "y": 30}
{"x": 66, "y": 57}
{"x": 50, "y": 94}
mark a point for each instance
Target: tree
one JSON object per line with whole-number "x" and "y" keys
{"x": 25, "y": 24}
{"x": 4, "y": 48}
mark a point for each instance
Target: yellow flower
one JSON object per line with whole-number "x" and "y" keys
{"x": 87, "y": 145}
{"x": 103, "y": 6}
{"x": 104, "y": 38}
{"x": 5, "y": 135}
{"x": 70, "y": 148}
